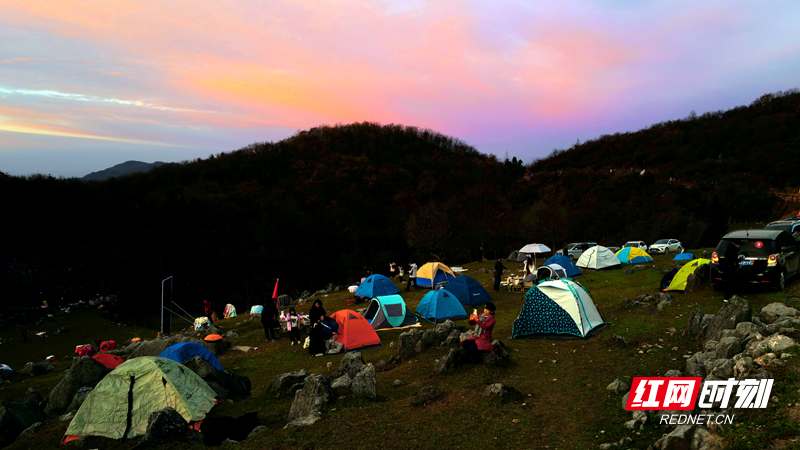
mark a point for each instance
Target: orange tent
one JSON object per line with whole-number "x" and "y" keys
{"x": 355, "y": 332}
{"x": 110, "y": 361}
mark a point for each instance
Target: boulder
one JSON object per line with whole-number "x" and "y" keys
{"x": 679, "y": 439}
{"x": 286, "y": 380}
{"x": 79, "y": 398}
{"x": 690, "y": 282}
{"x": 397, "y": 383}
{"x": 745, "y": 331}
{"x": 499, "y": 356}
{"x": 673, "y": 373}
{"x": 365, "y": 382}
{"x": 694, "y": 330}
{"x": 503, "y": 392}
{"x": 33, "y": 397}
{"x": 407, "y": 343}
{"x": 765, "y": 360}
{"x": 29, "y": 432}
{"x": 743, "y": 367}
{"x": 165, "y": 426}
{"x": 85, "y": 372}
{"x": 6, "y": 374}
{"x": 736, "y": 311}
{"x": 304, "y": 421}
{"x": 625, "y": 400}
{"x": 351, "y": 364}
{"x": 618, "y": 387}
{"x": 15, "y": 417}
{"x": 34, "y": 369}
{"x": 695, "y": 366}
{"x": 156, "y": 346}
{"x": 343, "y": 382}
{"x": 232, "y": 334}
{"x": 446, "y": 363}
{"x": 774, "y": 312}
{"x": 778, "y": 343}
{"x": 704, "y": 439}
{"x": 453, "y": 339}
{"x": 310, "y": 400}
{"x": 426, "y": 395}
{"x": 719, "y": 369}
{"x": 728, "y": 347}
{"x": 200, "y": 366}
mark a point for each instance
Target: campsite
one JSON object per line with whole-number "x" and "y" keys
{"x": 565, "y": 402}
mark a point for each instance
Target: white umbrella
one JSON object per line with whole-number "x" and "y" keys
{"x": 535, "y": 248}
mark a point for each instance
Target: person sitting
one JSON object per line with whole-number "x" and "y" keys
{"x": 475, "y": 346}
{"x": 666, "y": 280}
{"x": 322, "y": 331}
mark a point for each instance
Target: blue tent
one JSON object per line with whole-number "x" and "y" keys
{"x": 376, "y": 286}
{"x": 565, "y": 262}
{"x": 468, "y": 291}
{"x": 683, "y": 257}
{"x": 187, "y": 350}
{"x": 438, "y": 306}
{"x": 633, "y": 255}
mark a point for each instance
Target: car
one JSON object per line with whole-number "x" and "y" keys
{"x": 768, "y": 257}
{"x": 792, "y": 226}
{"x": 666, "y": 246}
{"x": 638, "y": 244}
{"x": 576, "y": 249}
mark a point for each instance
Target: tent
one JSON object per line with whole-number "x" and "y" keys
{"x": 230, "y": 311}
{"x": 355, "y": 332}
{"x": 559, "y": 309}
{"x": 468, "y": 291}
{"x": 434, "y": 273}
{"x": 683, "y": 257}
{"x": 552, "y": 271}
{"x": 633, "y": 255}
{"x": 376, "y": 286}
{"x": 566, "y": 263}
{"x": 108, "y": 360}
{"x": 390, "y": 311}
{"x": 517, "y": 256}
{"x": 679, "y": 281}
{"x": 119, "y": 406}
{"x": 256, "y": 310}
{"x": 186, "y": 350}
{"x": 597, "y": 258}
{"x": 438, "y": 306}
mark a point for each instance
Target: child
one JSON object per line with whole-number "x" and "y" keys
{"x": 293, "y": 326}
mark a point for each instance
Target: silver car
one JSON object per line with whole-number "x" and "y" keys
{"x": 666, "y": 246}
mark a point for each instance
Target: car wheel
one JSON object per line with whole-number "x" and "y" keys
{"x": 781, "y": 281}
{"x": 666, "y": 251}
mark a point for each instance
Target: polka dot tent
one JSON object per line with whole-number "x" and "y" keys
{"x": 560, "y": 308}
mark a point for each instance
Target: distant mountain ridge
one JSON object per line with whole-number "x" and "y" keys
{"x": 126, "y": 168}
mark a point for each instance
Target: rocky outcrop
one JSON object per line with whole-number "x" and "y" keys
{"x": 618, "y": 387}
{"x": 15, "y": 417}
{"x": 351, "y": 364}
{"x": 40, "y": 368}
{"x": 776, "y": 312}
{"x": 408, "y": 343}
{"x": 365, "y": 383}
{"x": 156, "y": 346}
{"x": 79, "y": 398}
{"x": 285, "y": 381}
{"x": 309, "y": 401}
{"x": 502, "y": 392}
{"x": 736, "y": 311}
{"x": 85, "y": 372}
{"x": 166, "y": 426}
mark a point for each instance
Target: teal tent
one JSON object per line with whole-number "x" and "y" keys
{"x": 389, "y": 312}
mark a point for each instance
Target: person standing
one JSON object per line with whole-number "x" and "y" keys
{"x": 483, "y": 343}
{"x": 730, "y": 267}
{"x": 293, "y": 326}
{"x": 528, "y": 265}
{"x": 498, "y": 272}
{"x": 316, "y": 312}
{"x": 412, "y": 276}
{"x": 480, "y": 254}
{"x": 270, "y": 321}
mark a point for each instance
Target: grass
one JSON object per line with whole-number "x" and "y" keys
{"x": 566, "y": 405}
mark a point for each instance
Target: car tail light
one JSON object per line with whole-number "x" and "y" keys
{"x": 715, "y": 258}
{"x": 773, "y": 260}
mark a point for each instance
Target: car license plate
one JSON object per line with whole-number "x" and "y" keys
{"x": 747, "y": 263}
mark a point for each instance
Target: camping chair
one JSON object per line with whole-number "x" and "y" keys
{"x": 529, "y": 281}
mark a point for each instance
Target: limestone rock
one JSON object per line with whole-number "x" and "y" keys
{"x": 85, "y": 372}
{"x": 736, "y": 311}
{"x": 728, "y": 347}
{"x": 774, "y": 312}
{"x": 365, "y": 383}
{"x": 156, "y": 346}
{"x": 779, "y": 343}
{"x": 40, "y": 368}
{"x": 315, "y": 395}
{"x": 343, "y": 382}
{"x": 29, "y": 432}
{"x": 351, "y": 364}
{"x": 680, "y": 438}
{"x": 673, "y": 373}
{"x": 766, "y": 359}
{"x": 694, "y": 330}
{"x": 408, "y": 343}
{"x": 503, "y": 392}
{"x": 200, "y": 366}
{"x": 397, "y": 383}
{"x": 285, "y": 380}
{"x": 165, "y": 426}
{"x": 304, "y": 421}
{"x": 79, "y": 398}
{"x": 15, "y": 418}
{"x": 695, "y": 366}
{"x": 618, "y": 387}
{"x": 426, "y": 395}
{"x": 446, "y": 364}
{"x": 704, "y": 439}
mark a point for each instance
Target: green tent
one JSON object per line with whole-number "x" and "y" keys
{"x": 679, "y": 281}
{"x": 121, "y": 403}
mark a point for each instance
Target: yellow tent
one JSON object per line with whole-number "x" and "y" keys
{"x": 679, "y": 282}
{"x": 434, "y": 273}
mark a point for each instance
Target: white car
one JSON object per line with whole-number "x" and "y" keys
{"x": 638, "y": 244}
{"x": 666, "y": 246}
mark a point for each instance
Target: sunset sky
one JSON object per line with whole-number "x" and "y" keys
{"x": 85, "y": 85}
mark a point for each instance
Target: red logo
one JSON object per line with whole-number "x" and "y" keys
{"x": 663, "y": 393}
{"x": 759, "y": 244}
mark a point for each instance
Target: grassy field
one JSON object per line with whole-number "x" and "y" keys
{"x": 567, "y": 405}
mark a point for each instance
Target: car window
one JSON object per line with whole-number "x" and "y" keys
{"x": 662, "y": 241}
{"x": 673, "y": 241}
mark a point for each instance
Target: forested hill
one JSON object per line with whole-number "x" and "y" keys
{"x": 328, "y": 203}
{"x": 747, "y": 144}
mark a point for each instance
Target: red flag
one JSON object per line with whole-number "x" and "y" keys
{"x": 275, "y": 293}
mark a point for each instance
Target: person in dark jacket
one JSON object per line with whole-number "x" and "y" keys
{"x": 477, "y": 344}
{"x": 208, "y": 309}
{"x": 498, "y": 272}
{"x": 270, "y": 321}
{"x": 667, "y": 278}
{"x": 730, "y": 266}
{"x": 322, "y": 331}
{"x": 316, "y": 312}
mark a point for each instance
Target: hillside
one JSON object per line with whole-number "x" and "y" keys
{"x": 126, "y": 168}
{"x": 329, "y": 203}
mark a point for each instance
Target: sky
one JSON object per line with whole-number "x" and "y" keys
{"x": 85, "y": 85}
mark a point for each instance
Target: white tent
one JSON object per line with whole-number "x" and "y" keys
{"x": 597, "y": 258}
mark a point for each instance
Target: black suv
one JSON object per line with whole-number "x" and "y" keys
{"x": 770, "y": 257}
